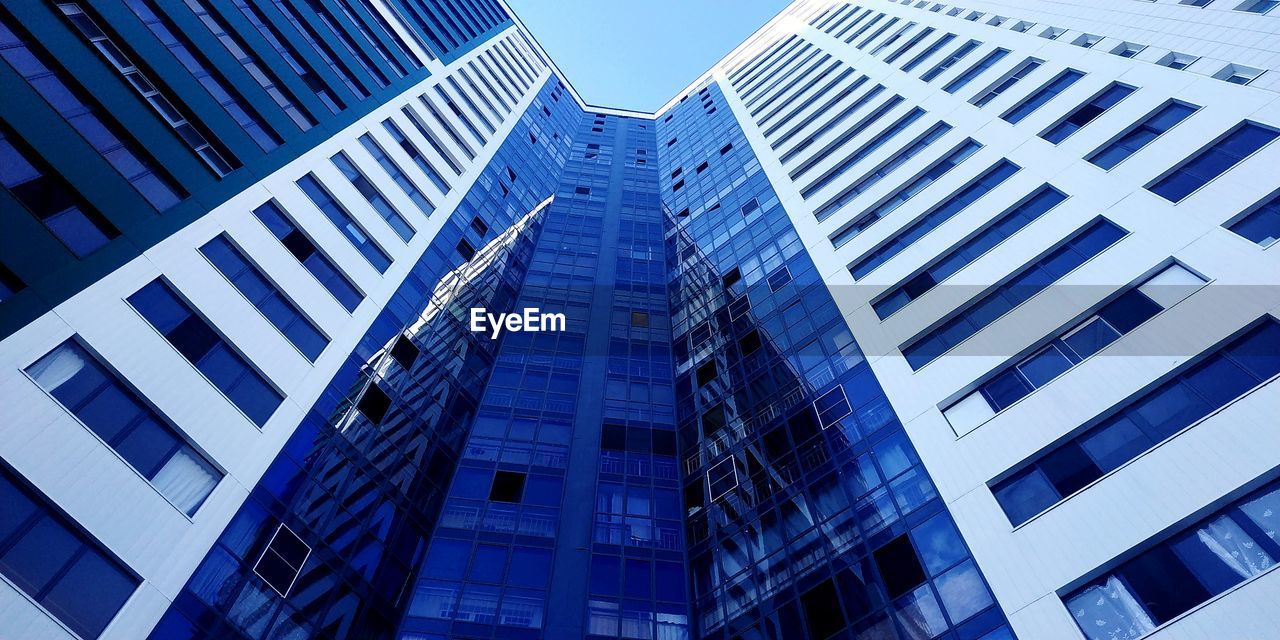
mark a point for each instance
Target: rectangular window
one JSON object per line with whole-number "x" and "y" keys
{"x": 1117, "y": 318}
{"x": 444, "y": 123}
{"x": 976, "y": 70}
{"x": 1142, "y": 134}
{"x": 1042, "y": 95}
{"x": 319, "y": 45}
{"x": 207, "y": 350}
{"x": 397, "y": 174}
{"x": 1262, "y": 226}
{"x": 1029, "y": 280}
{"x": 414, "y": 154}
{"x": 950, "y": 60}
{"x": 48, "y": 197}
{"x": 88, "y": 118}
{"x": 164, "y": 105}
{"x": 901, "y": 196}
{"x": 1140, "y": 423}
{"x": 1021, "y": 71}
{"x": 282, "y": 560}
{"x": 992, "y": 178}
{"x": 970, "y": 250}
{"x": 265, "y": 296}
{"x": 124, "y": 422}
{"x": 908, "y": 45}
{"x": 432, "y": 141}
{"x": 222, "y": 91}
{"x": 57, "y": 564}
{"x": 843, "y": 138}
{"x": 306, "y": 252}
{"x": 379, "y": 202}
{"x": 347, "y": 225}
{"x": 262, "y": 74}
{"x": 291, "y": 56}
{"x": 1087, "y": 112}
{"x": 831, "y": 175}
{"x": 835, "y": 121}
{"x": 1213, "y": 161}
{"x": 928, "y": 53}
{"x": 1181, "y": 571}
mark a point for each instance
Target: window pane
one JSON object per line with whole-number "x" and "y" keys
{"x": 1024, "y": 496}
{"x": 33, "y": 561}
{"x": 963, "y": 593}
{"x": 1264, "y": 511}
{"x": 1221, "y": 555}
{"x": 88, "y": 596}
{"x": 1107, "y": 611}
{"x": 1044, "y": 366}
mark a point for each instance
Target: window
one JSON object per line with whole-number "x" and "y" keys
{"x": 1213, "y": 161}
{"x": 1238, "y": 74}
{"x": 56, "y": 564}
{"x": 432, "y": 141}
{"x": 1194, "y": 391}
{"x": 1087, "y": 112}
{"x": 261, "y": 74}
{"x": 265, "y": 296}
{"x": 207, "y": 350}
{"x": 306, "y": 252}
{"x": 1019, "y": 72}
{"x": 72, "y": 102}
{"x": 928, "y": 53}
{"x": 967, "y": 252}
{"x": 1127, "y": 49}
{"x": 1142, "y": 134}
{"x": 843, "y": 138}
{"x": 976, "y": 70}
{"x": 901, "y": 196}
{"x": 1175, "y": 60}
{"x": 937, "y": 131}
{"x": 1031, "y": 279}
{"x": 414, "y": 154}
{"x": 1262, "y": 226}
{"x": 282, "y": 559}
{"x": 832, "y": 407}
{"x": 778, "y": 278}
{"x": 376, "y": 200}
{"x": 397, "y": 174}
{"x": 1258, "y": 6}
{"x": 223, "y": 92}
{"x": 10, "y": 283}
{"x": 992, "y": 178}
{"x": 444, "y": 124}
{"x": 508, "y": 486}
{"x": 1043, "y": 95}
{"x": 124, "y": 422}
{"x": 291, "y": 56}
{"x": 950, "y": 60}
{"x": 1178, "y": 573}
{"x": 338, "y": 215}
{"x": 1086, "y": 40}
{"x": 58, "y": 206}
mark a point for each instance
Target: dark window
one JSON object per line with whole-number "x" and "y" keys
{"x": 58, "y": 206}
{"x": 1262, "y": 226}
{"x": 731, "y": 277}
{"x": 298, "y": 244}
{"x": 374, "y": 404}
{"x": 1087, "y": 112}
{"x": 706, "y": 373}
{"x": 1213, "y": 161}
{"x": 822, "y": 611}
{"x": 281, "y": 561}
{"x": 899, "y": 567}
{"x": 749, "y": 343}
{"x": 405, "y": 351}
{"x": 508, "y": 486}
{"x": 465, "y": 249}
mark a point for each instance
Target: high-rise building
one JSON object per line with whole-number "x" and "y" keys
{"x": 351, "y": 319}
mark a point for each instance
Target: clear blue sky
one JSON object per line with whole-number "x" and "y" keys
{"x": 636, "y": 54}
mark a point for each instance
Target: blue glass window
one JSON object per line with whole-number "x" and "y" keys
{"x": 928, "y": 53}
{"x": 87, "y": 117}
{"x": 1086, "y": 113}
{"x": 1213, "y": 161}
{"x": 937, "y": 131}
{"x": 976, "y": 70}
{"x": 125, "y": 423}
{"x": 1142, "y": 134}
{"x": 1142, "y": 422}
{"x": 338, "y": 215}
{"x": 56, "y": 564}
{"x": 958, "y": 258}
{"x": 1262, "y": 226}
{"x": 374, "y": 197}
{"x": 950, "y": 60}
{"x": 1022, "y": 71}
{"x": 1041, "y": 96}
{"x": 50, "y": 199}
{"x": 1030, "y": 280}
{"x": 416, "y": 155}
{"x": 1170, "y": 577}
{"x": 203, "y": 347}
{"x": 302, "y": 248}
{"x": 265, "y": 296}
{"x": 397, "y": 174}
{"x": 902, "y": 195}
